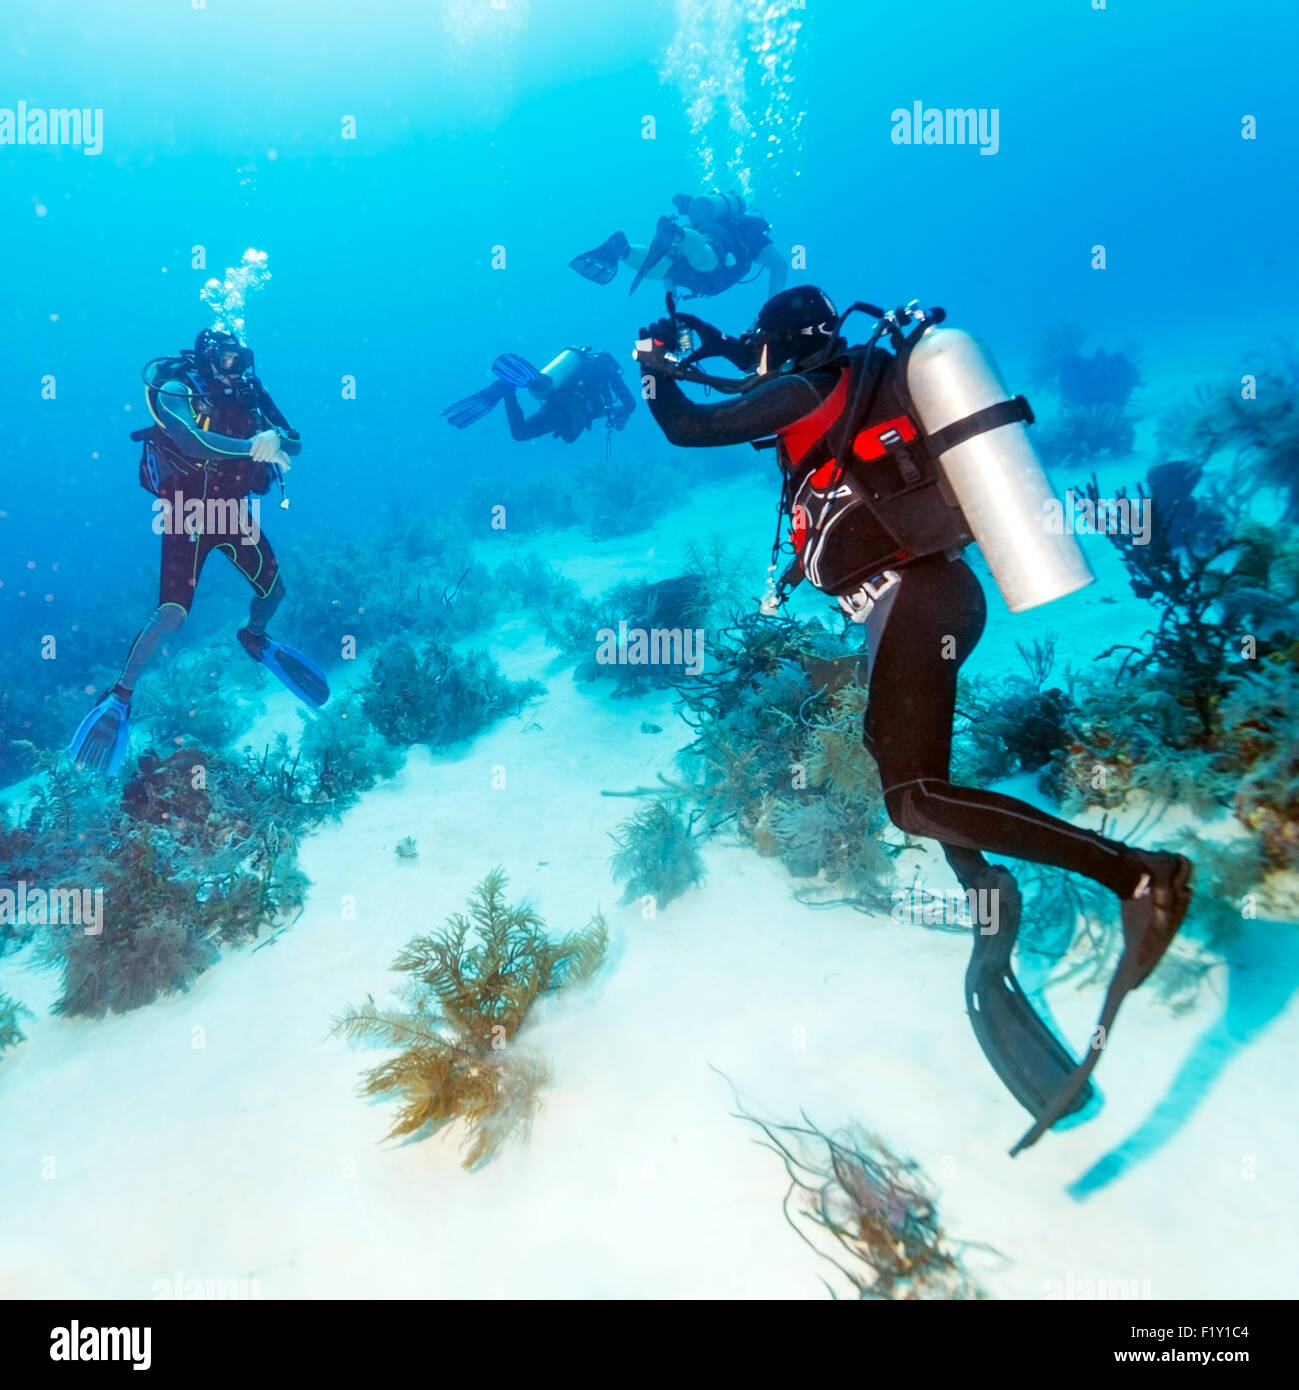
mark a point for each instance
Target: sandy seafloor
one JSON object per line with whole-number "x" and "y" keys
{"x": 127, "y": 1155}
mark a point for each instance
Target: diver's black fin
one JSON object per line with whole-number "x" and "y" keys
{"x": 601, "y": 264}
{"x": 1031, "y": 1061}
{"x": 1149, "y": 924}
{"x": 666, "y": 236}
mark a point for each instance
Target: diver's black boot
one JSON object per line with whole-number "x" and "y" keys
{"x": 254, "y": 643}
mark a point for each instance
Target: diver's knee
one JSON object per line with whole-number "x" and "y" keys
{"x": 699, "y": 251}
{"x": 900, "y": 803}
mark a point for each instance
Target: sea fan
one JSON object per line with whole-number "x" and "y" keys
{"x": 471, "y": 986}
{"x": 870, "y": 1215}
{"x": 10, "y": 1012}
{"x": 656, "y": 855}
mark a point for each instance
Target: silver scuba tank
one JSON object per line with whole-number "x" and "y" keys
{"x": 1000, "y": 485}
{"x": 558, "y": 372}
{"x": 716, "y": 207}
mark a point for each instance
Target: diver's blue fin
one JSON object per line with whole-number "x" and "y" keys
{"x": 102, "y": 736}
{"x": 291, "y": 668}
{"x": 464, "y": 413}
{"x": 514, "y": 370}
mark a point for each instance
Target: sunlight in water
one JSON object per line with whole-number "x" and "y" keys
{"x": 228, "y": 297}
{"x": 478, "y": 32}
{"x": 733, "y": 63}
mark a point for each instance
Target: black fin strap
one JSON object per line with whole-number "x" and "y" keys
{"x": 991, "y": 417}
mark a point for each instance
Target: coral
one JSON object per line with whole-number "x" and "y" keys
{"x": 778, "y": 754}
{"x": 1055, "y": 345}
{"x": 593, "y": 632}
{"x": 1260, "y": 718}
{"x": 1083, "y": 433}
{"x": 1068, "y": 918}
{"x": 10, "y": 1012}
{"x": 1011, "y": 723}
{"x": 432, "y": 695}
{"x": 471, "y": 987}
{"x": 1229, "y": 874}
{"x": 1095, "y": 379}
{"x": 657, "y": 856}
{"x": 1193, "y": 588}
{"x": 614, "y": 502}
{"x": 1263, "y": 425}
{"x": 154, "y": 942}
{"x": 530, "y": 502}
{"x": 1103, "y": 378}
{"x": 186, "y": 861}
{"x": 536, "y": 584}
{"x": 868, "y": 1213}
{"x": 407, "y": 849}
{"x": 841, "y": 841}
{"x": 186, "y": 700}
{"x": 420, "y": 578}
{"x": 173, "y": 792}
{"x": 343, "y": 754}
{"x": 1191, "y": 519}
{"x": 751, "y": 647}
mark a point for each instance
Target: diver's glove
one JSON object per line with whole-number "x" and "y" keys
{"x": 709, "y": 336}
{"x": 714, "y": 343}
{"x": 265, "y": 446}
{"x": 654, "y": 348}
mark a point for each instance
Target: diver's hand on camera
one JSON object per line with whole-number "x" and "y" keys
{"x": 653, "y": 345}
{"x": 265, "y": 446}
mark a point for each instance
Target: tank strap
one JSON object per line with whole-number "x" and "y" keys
{"x": 989, "y": 418}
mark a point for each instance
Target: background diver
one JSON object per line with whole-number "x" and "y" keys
{"x": 217, "y": 436}
{"x": 579, "y": 387}
{"x": 708, "y": 245}
{"x": 872, "y": 525}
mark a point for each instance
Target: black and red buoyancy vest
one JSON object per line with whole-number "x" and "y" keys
{"x": 865, "y": 494}
{"x": 163, "y": 465}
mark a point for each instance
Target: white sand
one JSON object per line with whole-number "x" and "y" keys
{"x": 252, "y": 1157}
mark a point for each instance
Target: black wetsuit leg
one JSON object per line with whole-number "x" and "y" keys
{"x": 934, "y": 622}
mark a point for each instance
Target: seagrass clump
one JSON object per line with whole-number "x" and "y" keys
{"x": 469, "y": 989}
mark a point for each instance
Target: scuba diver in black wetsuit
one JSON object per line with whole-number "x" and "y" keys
{"x": 577, "y": 388}
{"x": 708, "y": 245}
{"x": 217, "y": 437}
{"x": 876, "y": 524}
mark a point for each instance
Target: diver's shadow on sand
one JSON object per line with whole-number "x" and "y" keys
{"x": 1262, "y": 973}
